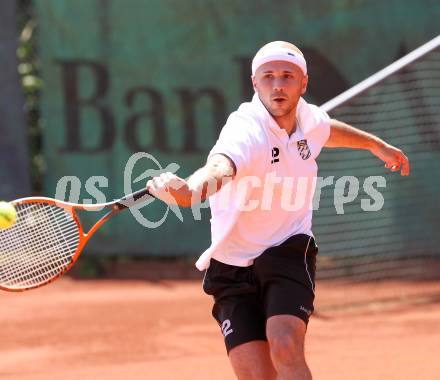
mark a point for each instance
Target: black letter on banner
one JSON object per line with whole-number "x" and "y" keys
{"x": 74, "y": 103}
{"x": 188, "y": 99}
{"x": 156, "y": 113}
{"x": 326, "y": 80}
{"x": 245, "y": 66}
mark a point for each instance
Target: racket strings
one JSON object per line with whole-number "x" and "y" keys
{"x": 35, "y": 267}
{"x": 38, "y": 247}
{"x": 27, "y": 245}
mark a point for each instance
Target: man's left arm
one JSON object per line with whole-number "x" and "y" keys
{"x": 345, "y": 136}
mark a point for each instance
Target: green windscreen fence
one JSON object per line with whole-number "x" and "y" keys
{"x": 404, "y": 109}
{"x": 160, "y": 77}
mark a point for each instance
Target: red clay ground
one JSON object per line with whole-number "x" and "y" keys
{"x": 133, "y": 329}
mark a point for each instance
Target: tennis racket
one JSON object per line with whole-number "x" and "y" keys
{"x": 48, "y": 238}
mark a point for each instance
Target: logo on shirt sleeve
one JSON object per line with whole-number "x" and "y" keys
{"x": 303, "y": 149}
{"x": 275, "y": 154}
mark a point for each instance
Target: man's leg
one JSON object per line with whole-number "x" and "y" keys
{"x": 286, "y": 334}
{"x": 286, "y": 274}
{"x": 240, "y": 315}
{"x": 251, "y": 361}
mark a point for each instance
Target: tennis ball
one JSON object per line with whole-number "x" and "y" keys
{"x": 8, "y": 215}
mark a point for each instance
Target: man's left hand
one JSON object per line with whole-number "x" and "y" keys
{"x": 394, "y": 158}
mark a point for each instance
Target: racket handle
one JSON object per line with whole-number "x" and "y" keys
{"x": 130, "y": 200}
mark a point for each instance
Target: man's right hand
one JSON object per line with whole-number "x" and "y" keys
{"x": 206, "y": 181}
{"x": 171, "y": 189}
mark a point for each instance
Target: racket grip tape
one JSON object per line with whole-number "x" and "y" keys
{"x": 132, "y": 199}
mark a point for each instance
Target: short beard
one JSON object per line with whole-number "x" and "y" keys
{"x": 277, "y": 112}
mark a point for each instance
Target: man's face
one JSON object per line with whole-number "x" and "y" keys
{"x": 279, "y": 85}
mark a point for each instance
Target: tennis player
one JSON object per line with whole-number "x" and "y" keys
{"x": 260, "y": 267}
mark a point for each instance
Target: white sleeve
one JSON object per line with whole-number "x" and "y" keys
{"x": 317, "y": 127}
{"x": 321, "y": 132}
{"x": 236, "y": 141}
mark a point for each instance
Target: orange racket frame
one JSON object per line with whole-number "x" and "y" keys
{"x": 114, "y": 207}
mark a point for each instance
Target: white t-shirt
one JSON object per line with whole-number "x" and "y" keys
{"x": 270, "y": 198}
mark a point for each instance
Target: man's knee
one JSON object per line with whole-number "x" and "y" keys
{"x": 286, "y": 338}
{"x": 252, "y": 361}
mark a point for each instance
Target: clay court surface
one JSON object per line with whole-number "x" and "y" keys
{"x": 162, "y": 329}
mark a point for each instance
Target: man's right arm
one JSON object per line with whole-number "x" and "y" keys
{"x": 218, "y": 170}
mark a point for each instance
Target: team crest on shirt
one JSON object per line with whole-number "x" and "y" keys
{"x": 303, "y": 149}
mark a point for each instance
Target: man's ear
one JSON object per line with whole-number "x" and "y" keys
{"x": 254, "y": 82}
{"x": 305, "y": 81}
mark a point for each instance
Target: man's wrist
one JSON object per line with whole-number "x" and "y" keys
{"x": 375, "y": 144}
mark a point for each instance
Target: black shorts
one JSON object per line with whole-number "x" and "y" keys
{"x": 280, "y": 281}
